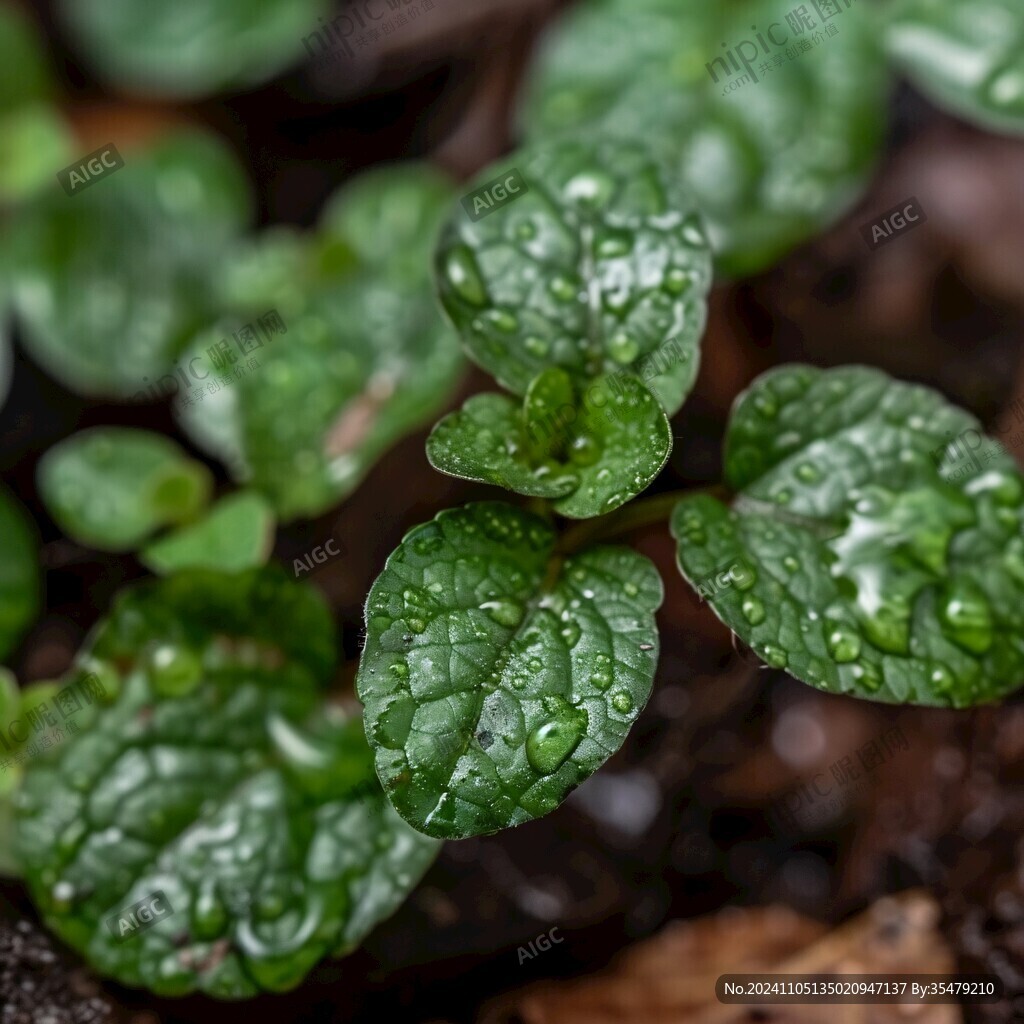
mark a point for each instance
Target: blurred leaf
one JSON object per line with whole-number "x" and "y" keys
{"x": 591, "y": 461}
{"x": 112, "y": 487}
{"x": 35, "y": 143}
{"x": 875, "y": 547}
{"x": 216, "y": 778}
{"x": 390, "y": 217}
{"x": 24, "y": 72}
{"x": 495, "y": 680}
{"x": 967, "y": 55}
{"x": 109, "y": 284}
{"x": 366, "y": 359}
{"x": 20, "y": 582}
{"x": 597, "y": 266}
{"x": 237, "y": 533}
{"x": 772, "y": 159}
{"x": 193, "y": 47}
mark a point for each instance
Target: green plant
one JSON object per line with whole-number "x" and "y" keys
{"x": 509, "y": 647}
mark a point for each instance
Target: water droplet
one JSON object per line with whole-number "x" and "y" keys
{"x": 753, "y": 610}
{"x": 622, "y": 701}
{"x": 743, "y": 576}
{"x": 503, "y": 321}
{"x": 783, "y": 497}
{"x": 775, "y": 656}
{"x": 562, "y": 288}
{"x": 209, "y": 916}
{"x": 570, "y": 633}
{"x": 766, "y": 406}
{"x": 622, "y": 348}
{"x": 463, "y": 275}
{"x": 504, "y": 612}
{"x": 174, "y": 671}
{"x": 966, "y": 616}
{"x": 808, "y": 473}
{"x": 526, "y": 230}
{"x": 676, "y": 281}
{"x": 549, "y": 745}
{"x": 416, "y": 625}
{"x": 693, "y": 231}
{"x": 585, "y": 450}
{"x": 790, "y": 564}
{"x": 536, "y": 346}
{"x": 590, "y": 188}
{"x": 614, "y": 243}
{"x": 941, "y": 679}
{"x": 842, "y": 642}
{"x": 631, "y": 589}
{"x": 399, "y": 670}
{"x": 867, "y": 676}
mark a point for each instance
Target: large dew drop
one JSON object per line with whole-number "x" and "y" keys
{"x": 549, "y": 745}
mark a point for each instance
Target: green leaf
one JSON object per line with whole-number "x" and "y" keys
{"x": 964, "y": 54}
{"x": 196, "y": 46}
{"x": 237, "y": 533}
{"x": 601, "y": 263}
{"x": 367, "y": 359}
{"x": 592, "y": 457}
{"x": 495, "y": 676}
{"x": 108, "y": 285}
{"x": 113, "y": 487}
{"x": 20, "y": 585}
{"x": 35, "y": 143}
{"x": 390, "y": 216}
{"x": 771, "y": 160}
{"x": 875, "y": 546}
{"x": 217, "y": 779}
{"x": 10, "y": 776}
{"x": 24, "y": 73}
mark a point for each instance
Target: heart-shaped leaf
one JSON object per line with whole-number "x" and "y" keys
{"x": 875, "y": 547}
{"x": 591, "y": 456}
{"x": 112, "y": 487}
{"x": 195, "y": 46}
{"x": 237, "y": 533}
{"x": 267, "y": 837}
{"x": 496, "y": 677}
{"x": 367, "y": 358}
{"x": 771, "y": 112}
{"x": 108, "y": 285}
{"x": 965, "y": 54}
{"x": 599, "y": 264}
{"x": 19, "y": 573}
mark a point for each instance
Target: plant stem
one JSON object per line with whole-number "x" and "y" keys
{"x": 630, "y": 517}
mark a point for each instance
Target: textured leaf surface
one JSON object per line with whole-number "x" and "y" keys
{"x": 195, "y": 46}
{"x": 269, "y": 836}
{"x": 770, "y": 160}
{"x": 599, "y": 265}
{"x": 875, "y": 547}
{"x": 494, "y": 680}
{"x": 19, "y": 573}
{"x": 968, "y": 55}
{"x": 592, "y": 452}
{"x": 109, "y": 284}
{"x": 112, "y": 487}
{"x": 237, "y": 533}
{"x": 367, "y": 357}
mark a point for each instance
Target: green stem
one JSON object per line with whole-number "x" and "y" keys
{"x": 629, "y": 518}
